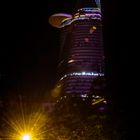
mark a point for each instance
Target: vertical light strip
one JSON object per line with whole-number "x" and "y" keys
{"x": 98, "y": 3}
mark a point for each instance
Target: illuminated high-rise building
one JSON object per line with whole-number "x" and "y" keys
{"x": 81, "y": 49}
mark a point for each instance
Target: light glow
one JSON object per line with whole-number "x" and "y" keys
{"x": 82, "y": 74}
{"x": 84, "y": 95}
{"x": 70, "y": 61}
{"x": 98, "y": 101}
{"x": 93, "y": 27}
{"x": 26, "y": 137}
{"x": 25, "y": 123}
{"x": 90, "y": 9}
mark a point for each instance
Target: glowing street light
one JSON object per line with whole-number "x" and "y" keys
{"x": 26, "y": 137}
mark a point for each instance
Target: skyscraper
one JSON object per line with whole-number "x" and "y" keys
{"x": 81, "y": 48}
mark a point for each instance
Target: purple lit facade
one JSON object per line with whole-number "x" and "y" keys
{"x": 82, "y": 55}
{"x": 81, "y": 49}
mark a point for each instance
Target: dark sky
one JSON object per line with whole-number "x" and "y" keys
{"x": 29, "y": 47}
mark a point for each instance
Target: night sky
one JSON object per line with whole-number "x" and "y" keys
{"x": 30, "y": 46}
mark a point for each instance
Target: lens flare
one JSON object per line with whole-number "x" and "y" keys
{"x": 25, "y": 122}
{"x": 26, "y": 137}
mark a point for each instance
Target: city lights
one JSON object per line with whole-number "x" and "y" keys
{"x": 70, "y": 61}
{"x": 98, "y": 101}
{"x": 83, "y": 74}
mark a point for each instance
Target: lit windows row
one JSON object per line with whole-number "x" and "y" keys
{"x": 81, "y": 18}
{"x": 94, "y": 96}
{"x": 78, "y": 16}
{"x": 82, "y": 74}
{"x": 87, "y": 15}
{"x": 95, "y": 100}
{"x": 89, "y": 9}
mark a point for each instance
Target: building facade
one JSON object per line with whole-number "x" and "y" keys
{"x": 81, "y": 48}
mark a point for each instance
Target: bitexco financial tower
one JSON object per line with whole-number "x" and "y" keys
{"x": 81, "y": 50}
